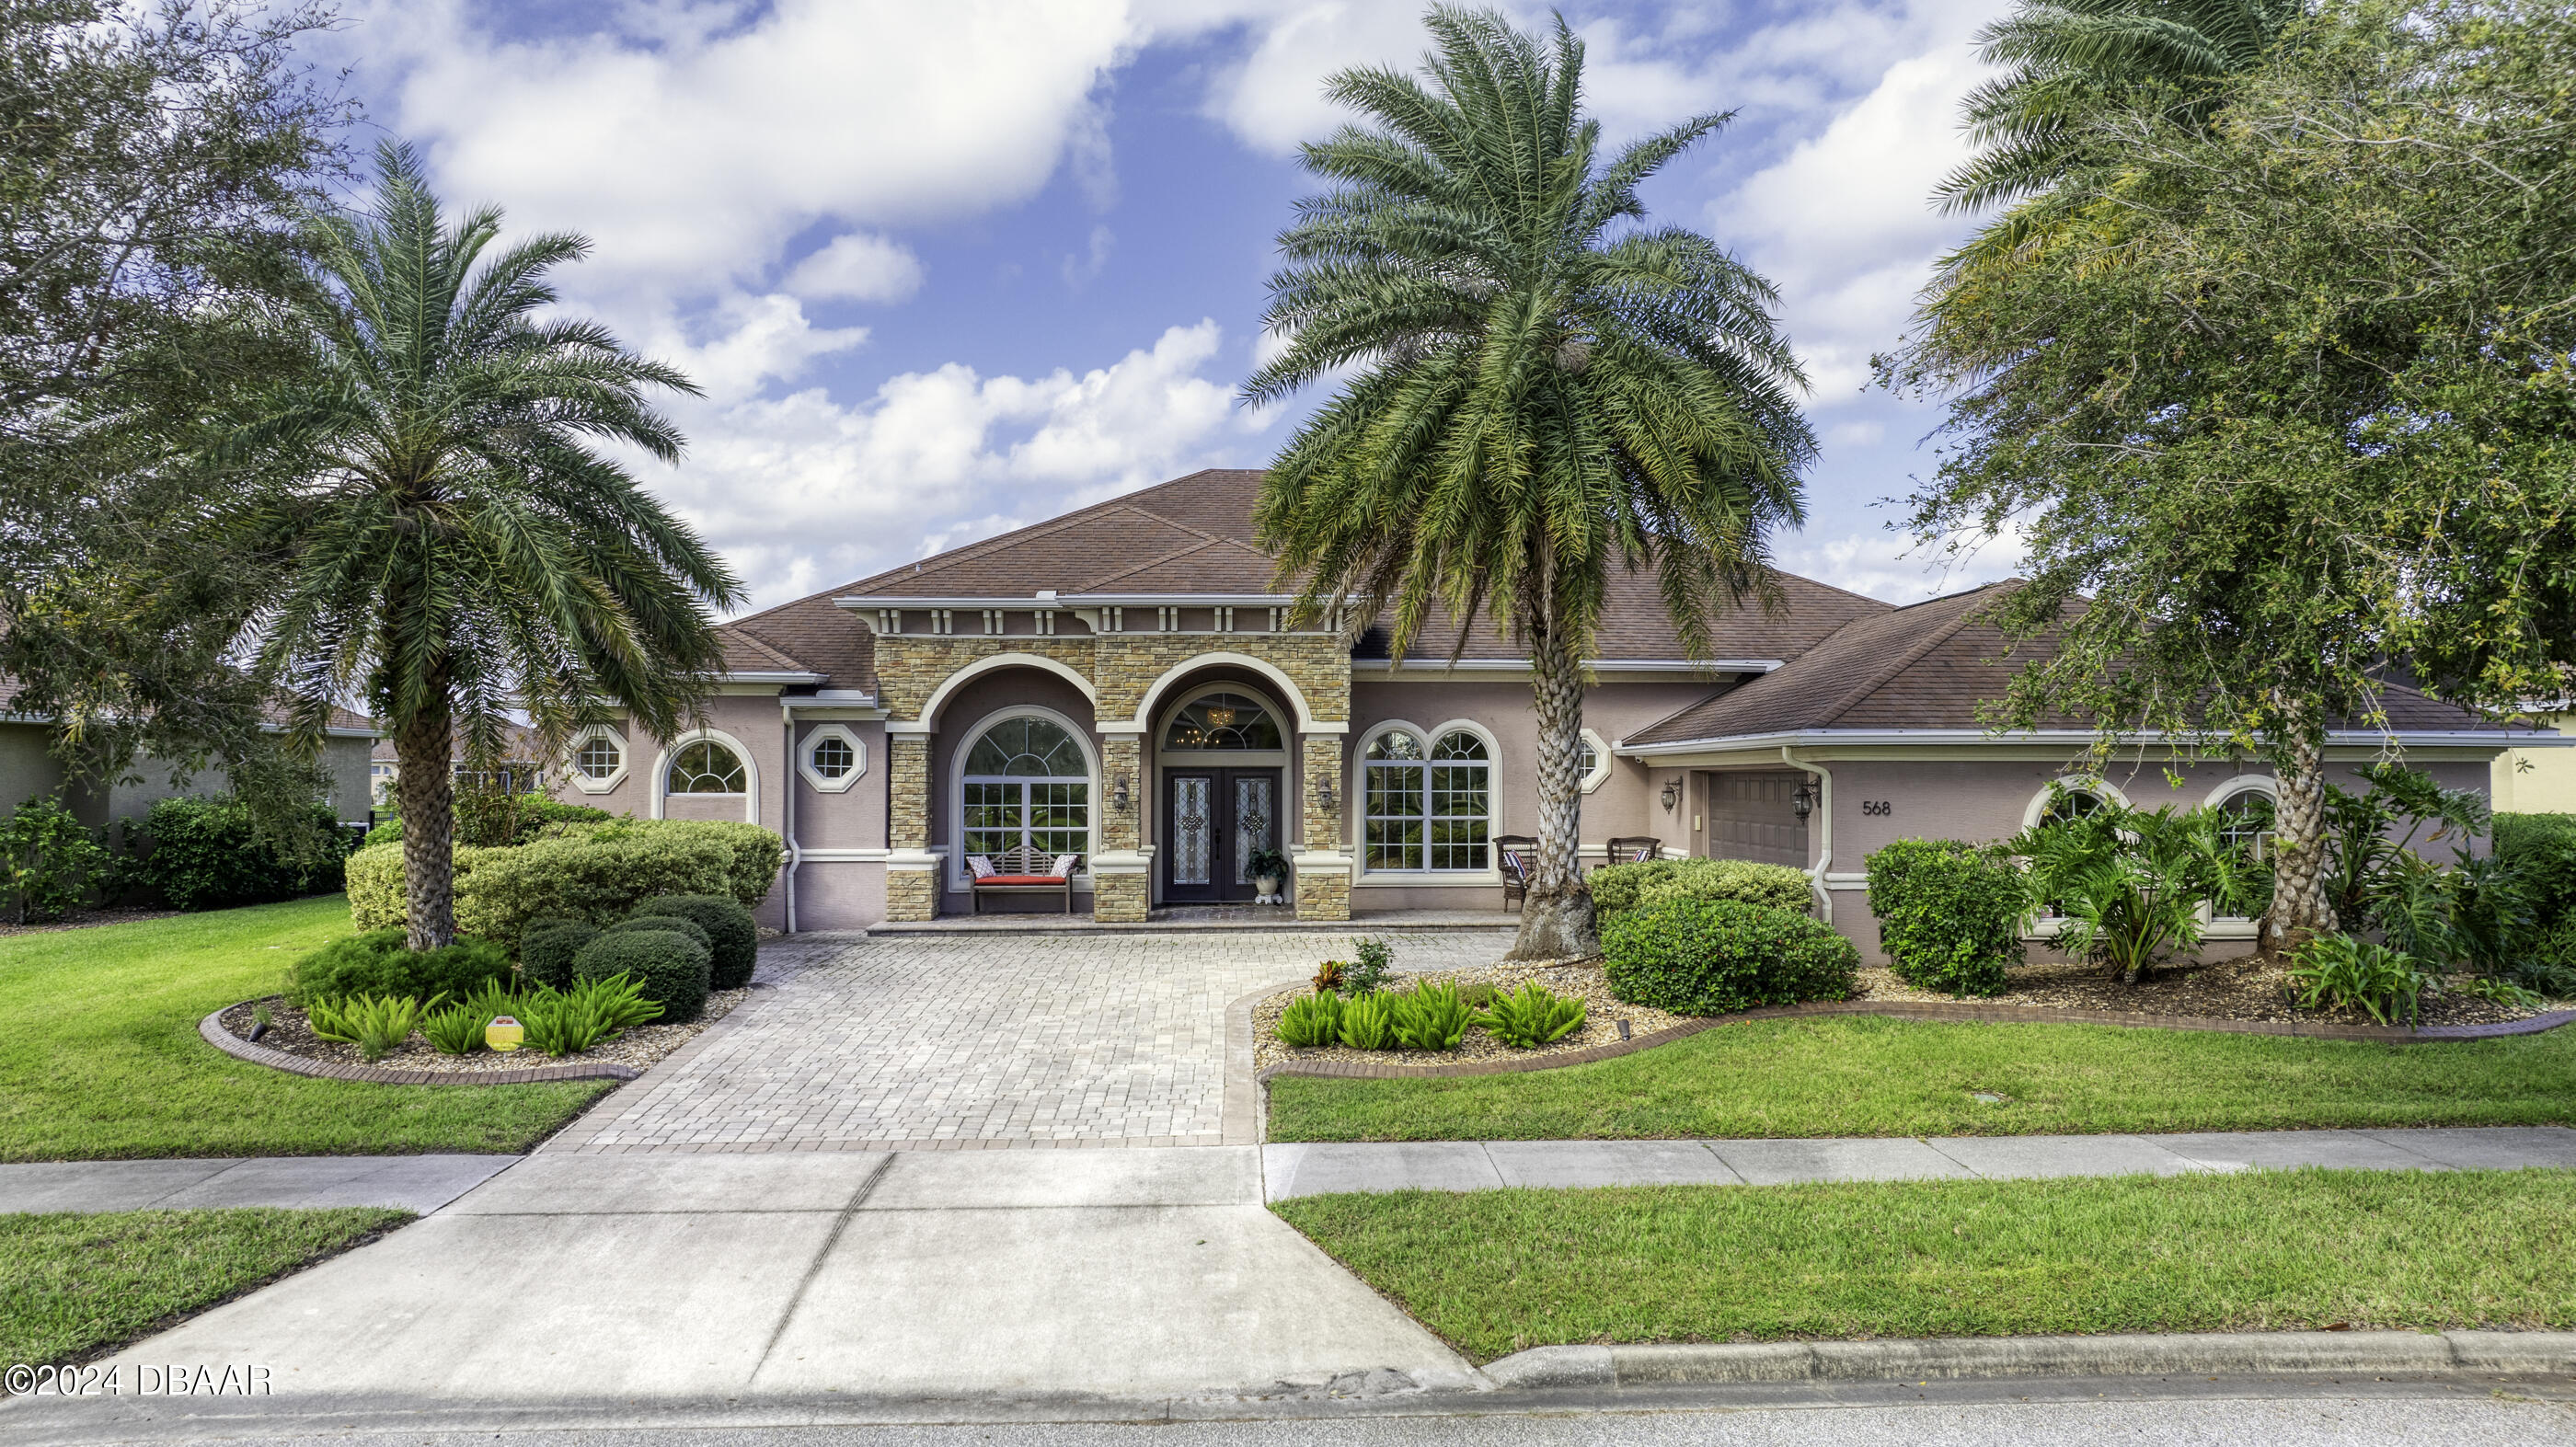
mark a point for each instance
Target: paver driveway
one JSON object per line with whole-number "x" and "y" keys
{"x": 992, "y": 1040}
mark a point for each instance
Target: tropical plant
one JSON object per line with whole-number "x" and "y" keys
{"x": 1266, "y": 864}
{"x": 450, "y": 544}
{"x": 1537, "y": 388}
{"x": 456, "y": 1030}
{"x": 1368, "y": 1022}
{"x": 373, "y": 1023}
{"x": 568, "y": 1022}
{"x": 1311, "y": 1020}
{"x": 1328, "y": 976}
{"x": 1430, "y": 1016}
{"x": 1531, "y": 1016}
{"x": 1368, "y": 974}
{"x": 2338, "y": 972}
{"x": 2127, "y": 885}
{"x": 49, "y": 861}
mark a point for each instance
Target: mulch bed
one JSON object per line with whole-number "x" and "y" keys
{"x": 2246, "y": 988}
{"x": 643, "y": 1045}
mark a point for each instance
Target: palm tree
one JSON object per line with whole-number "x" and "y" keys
{"x": 1536, "y": 390}
{"x": 445, "y": 540}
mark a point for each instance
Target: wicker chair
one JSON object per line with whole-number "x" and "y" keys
{"x": 1515, "y": 855}
{"x": 1635, "y": 849}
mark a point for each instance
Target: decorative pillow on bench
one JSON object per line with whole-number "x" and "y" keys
{"x": 1063, "y": 866}
{"x": 979, "y": 866}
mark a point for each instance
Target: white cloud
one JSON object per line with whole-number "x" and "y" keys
{"x": 857, "y": 267}
{"x": 1889, "y": 566}
{"x": 805, "y": 492}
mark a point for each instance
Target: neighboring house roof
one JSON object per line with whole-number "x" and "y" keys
{"x": 518, "y": 741}
{"x": 1193, "y": 536}
{"x": 1928, "y": 667}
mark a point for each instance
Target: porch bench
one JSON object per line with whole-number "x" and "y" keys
{"x": 1022, "y": 870}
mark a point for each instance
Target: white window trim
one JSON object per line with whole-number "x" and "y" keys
{"x": 967, "y": 738}
{"x": 750, "y": 796}
{"x": 1250, "y": 758}
{"x": 805, "y": 758}
{"x": 2226, "y": 926}
{"x": 1600, "y": 774}
{"x": 1356, "y": 790}
{"x": 2088, "y": 783}
{"x": 625, "y": 759}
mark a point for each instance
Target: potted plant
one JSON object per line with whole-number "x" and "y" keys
{"x": 1269, "y": 871}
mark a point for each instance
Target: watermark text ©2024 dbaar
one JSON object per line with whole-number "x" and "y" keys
{"x": 132, "y": 1379}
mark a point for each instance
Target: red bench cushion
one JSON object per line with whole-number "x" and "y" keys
{"x": 1021, "y": 879}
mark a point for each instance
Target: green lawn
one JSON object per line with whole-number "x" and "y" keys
{"x": 1498, "y": 1271}
{"x": 73, "y": 1284}
{"x": 100, "y": 1057}
{"x": 1863, "y": 1075}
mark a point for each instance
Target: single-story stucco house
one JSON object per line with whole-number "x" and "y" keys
{"x": 1119, "y": 685}
{"x": 30, "y": 769}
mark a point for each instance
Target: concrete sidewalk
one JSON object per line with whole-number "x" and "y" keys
{"x": 419, "y": 1184}
{"x": 1315, "y": 1170}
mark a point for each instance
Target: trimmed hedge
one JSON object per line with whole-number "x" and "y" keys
{"x": 201, "y": 854}
{"x": 1713, "y": 956}
{"x": 534, "y": 813}
{"x": 1617, "y": 888}
{"x": 731, "y": 934}
{"x": 1949, "y": 913}
{"x": 596, "y": 873}
{"x": 546, "y": 951}
{"x": 377, "y": 963}
{"x": 672, "y": 923}
{"x": 670, "y": 969}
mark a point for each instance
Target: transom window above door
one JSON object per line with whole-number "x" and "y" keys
{"x": 1428, "y": 808}
{"x": 1222, "y": 721}
{"x": 705, "y": 767}
{"x": 1026, "y": 748}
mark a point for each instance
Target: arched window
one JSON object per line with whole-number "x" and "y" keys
{"x": 1027, "y": 782}
{"x": 2071, "y": 805}
{"x": 704, "y": 767}
{"x": 1222, "y": 721}
{"x": 2245, "y": 824}
{"x": 1428, "y": 808}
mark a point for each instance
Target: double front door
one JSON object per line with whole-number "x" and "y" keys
{"x": 1213, "y": 821}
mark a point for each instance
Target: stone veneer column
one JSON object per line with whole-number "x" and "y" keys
{"x": 1120, "y": 892}
{"x": 912, "y": 871}
{"x": 1323, "y": 870}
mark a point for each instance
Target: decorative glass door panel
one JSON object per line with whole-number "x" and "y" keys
{"x": 1213, "y": 820}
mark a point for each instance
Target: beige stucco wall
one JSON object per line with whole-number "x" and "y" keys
{"x": 2537, "y": 781}
{"x": 751, "y": 721}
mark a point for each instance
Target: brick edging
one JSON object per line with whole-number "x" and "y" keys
{"x": 1935, "y": 1010}
{"x": 212, "y": 1028}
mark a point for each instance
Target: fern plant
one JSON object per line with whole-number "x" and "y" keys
{"x": 1531, "y": 1016}
{"x": 1430, "y": 1017}
{"x": 1368, "y": 1022}
{"x": 1313, "y": 1020}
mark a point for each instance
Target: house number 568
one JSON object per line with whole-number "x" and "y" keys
{"x": 1877, "y": 807}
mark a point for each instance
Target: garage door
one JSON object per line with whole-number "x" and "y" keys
{"x": 1750, "y": 817}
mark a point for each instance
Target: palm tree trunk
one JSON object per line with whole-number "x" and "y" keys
{"x": 1556, "y": 915}
{"x": 2300, "y": 908}
{"x": 427, "y": 789}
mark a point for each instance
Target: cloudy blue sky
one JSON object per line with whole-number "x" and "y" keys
{"x": 947, "y": 268}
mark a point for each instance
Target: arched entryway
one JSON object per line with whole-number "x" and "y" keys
{"x": 1221, "y": 753}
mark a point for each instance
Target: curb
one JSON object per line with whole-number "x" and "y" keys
{"x": 2513, "y": 1353}
{"x": 1937, "y": 1010}
{"x": 215, "y": 1034}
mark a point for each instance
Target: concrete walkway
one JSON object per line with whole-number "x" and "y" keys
{"x": 420, "y": 1184}
{"x": 1316, "y": 1170}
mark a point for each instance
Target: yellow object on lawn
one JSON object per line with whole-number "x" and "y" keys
{"x": 504, "y": 1033}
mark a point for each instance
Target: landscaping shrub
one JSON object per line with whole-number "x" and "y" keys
{"x": 373, "y": 1023}
{"x": 488, "y": 821}
{"x": 49, "y": 861}
{"x": 1312, "y": 1020}
{"x": 1618, "y": 888}
{"x": 1711, "y": 956}
{"x": 1367, "y": 974}
{"x": 1368, "y": 1022}
{"x": 546, "y": 951}
{"x": 2334, "y": 972}
{"x": 202, "y": 853}
{"x": 670, "y": 969}
{"x": 1530, "y": 1016}
{"x": 597, "y": 873}
{"x": 2543, "y": 848}
{"x": 731, "y": 935}
{"x": 1949, "y": 913}
{"x": 571, "y": 1021}
{"x": 377, "y": 963}
{"x": 671, "y": 923}
{"x": 456, "y": 1030}
{"x": 1430, "y": 1017}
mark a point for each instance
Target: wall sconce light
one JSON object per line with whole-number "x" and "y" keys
{"x": 1803, "y": 802}
{"x": 1118, "y": 797}
{"x": 1324, "y": 791}
{"x": 1672, "y": 793}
